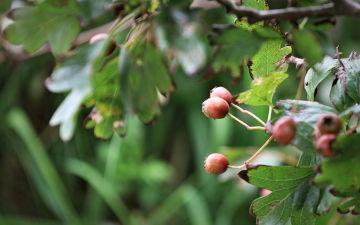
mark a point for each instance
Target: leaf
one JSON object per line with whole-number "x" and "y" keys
{"x": 291, "y": 197}
{"x": 5, "y": 5}
{"x": 270, "y": 53}
{"x": 234, "y": 45}
{"x": 107, "y": 100}
{"x": 262, "y": 90}
{"x": 342, "y": 171}
{"x": 338, "y": 95}
{"x": 352, "y": 70}
{"x": 146, "y": 80}
{"x": 256, "y": 4}
{"x": 276, "y": 177}
{"x": 317, "y": 74}
{"x": 303, "y": 111}
{"x": 36, "y": 25}
{"x": 303, "y": 139}
{"x": 73, "y": 75}
{"x": 352, "y": 204}
{"x": 308, "y": 47}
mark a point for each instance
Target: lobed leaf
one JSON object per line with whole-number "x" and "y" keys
{"x": 268, "y": 57}
{"x": 262, "y": 90}
{"x": 292, "y": 196}
{"x": 36, "y": 25}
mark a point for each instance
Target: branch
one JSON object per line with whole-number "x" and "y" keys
{"x": 338, "y": 7}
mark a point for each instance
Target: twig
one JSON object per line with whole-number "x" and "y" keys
{"x": 253, "y": 156}
{"x": 338, "y": 7}
{"x": 269, "y": 114}
{"x": 249, "y": 113}
{"x": 244, "y": 124}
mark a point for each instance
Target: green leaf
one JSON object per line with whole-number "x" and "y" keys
{"x": 308, "y": 47}
{"x": 303, "y": 111}
{"x": 342, "y": 171}
{"x": 268, "y": 57}
{"x": 235, "y": 44}
{"x": 318, "y": 73}
{"x": 36, "y": 25}
{"x": 256, "y": 4}
{"x": 338, "y": 96}
{"x": 291, "y": 197}
{"x": 352, "y": 205}
{"x": 262, "y": 90}
{"x": 147, "y": 79}
{"x": 107, "y": 101}
{"x": 303, "y": 139}
{"x": 73, "y": 75}
{"x": 277, "y": 177}
{"x": 352, "y": 70}
{"x": 5, "y": 5}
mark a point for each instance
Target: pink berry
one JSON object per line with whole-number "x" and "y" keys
{"x": 216, "y": 163}
{"x": 215, "y": 108}
{"x": 323, "y": 145}
{"x": 329, "y": 123}
{"x": 284, "y": 130}
{"x": 221, "y": 92}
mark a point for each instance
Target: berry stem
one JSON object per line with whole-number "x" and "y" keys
{"x": 249, "y": 113}
{"x": 258, "y": 151}
{"x": 253, "y": 156}
{"x": 244, "y": 124}
{"x": 269, "y": 114}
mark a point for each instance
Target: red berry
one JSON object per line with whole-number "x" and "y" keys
{"x": 284, "y": 130}
{"x": 216, "y": 163}
{"x": 215, "y": 108}
{"x": 221, "y": 92}
{"x": 323, "y": 145}
{"x": 329, "y": 123}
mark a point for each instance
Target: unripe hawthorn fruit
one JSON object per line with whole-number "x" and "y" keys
{"x": 329, "y": 123}
{"x": 221, "y": 92}
{"x": 323, "y": 145}
{"x": 215, "y": 108}
{"x": 216, "y": 163}
{"x": 284, "y": 130}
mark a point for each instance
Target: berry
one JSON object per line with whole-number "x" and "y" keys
{"x": 215, "y": 108}
{"x": 323, "y": 145}
{"x": 221, "y": 92}
{"x": 329, "y": 123}
{"x": 216, "y": 163}
{"x": 284, "y": 130}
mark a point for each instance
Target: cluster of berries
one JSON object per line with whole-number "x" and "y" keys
{"x": 283, "y": 131}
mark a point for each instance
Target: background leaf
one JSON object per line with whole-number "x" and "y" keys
{"x": 308, "y": 46}
{"x": 36, "y": 25}
{"x": 234, "y": 45}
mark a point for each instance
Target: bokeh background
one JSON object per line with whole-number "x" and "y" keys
{"x": 152, "y": 176}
